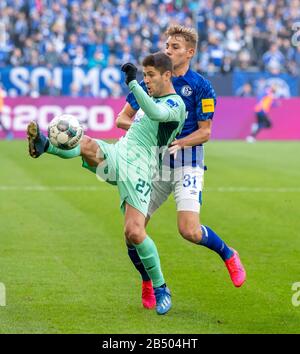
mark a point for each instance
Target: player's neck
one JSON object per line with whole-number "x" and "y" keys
{"x": 181, "y": 70}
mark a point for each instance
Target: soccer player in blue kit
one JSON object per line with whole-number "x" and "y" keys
{"x": 186, "y": 158}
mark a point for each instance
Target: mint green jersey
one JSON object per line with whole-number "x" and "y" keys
{"x": 132, "y": 161}
{"x": 162, "y": 120}
{"x": 161, "y": 129}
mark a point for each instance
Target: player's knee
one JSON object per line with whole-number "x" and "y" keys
{"x": 190, "y": 233}
{"x": 134, "y": 232}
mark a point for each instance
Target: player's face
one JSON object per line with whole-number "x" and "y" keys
{"x": 155, "y": 81}
{"x": 177, "y": 49}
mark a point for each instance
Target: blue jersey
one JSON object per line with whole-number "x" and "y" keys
{"x": 199, "y": 98}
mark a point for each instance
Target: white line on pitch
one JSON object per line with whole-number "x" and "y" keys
{"x": 254, "y": 189}
{"x": 50, "y": 188}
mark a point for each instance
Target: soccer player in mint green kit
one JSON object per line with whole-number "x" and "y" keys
{"x": 131, "y": 162}
{"x": 200, "y": 99}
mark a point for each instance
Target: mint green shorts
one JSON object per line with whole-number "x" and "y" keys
{"x": 129, "y": 170}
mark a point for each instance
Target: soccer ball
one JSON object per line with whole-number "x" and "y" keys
{"x": 65, "y": 132}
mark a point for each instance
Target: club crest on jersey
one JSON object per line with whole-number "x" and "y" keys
{"x": 186, "y": 90}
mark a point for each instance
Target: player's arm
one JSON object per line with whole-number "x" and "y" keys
{"x": 205, "y": 108}
{"x": 200, "y": 136}
{"x": 157, "y": 112}
{"x": 125, "y": 117}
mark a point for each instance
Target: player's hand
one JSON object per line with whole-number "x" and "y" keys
{"x": 130, "y": 71}
{"x": 174, "y": 147}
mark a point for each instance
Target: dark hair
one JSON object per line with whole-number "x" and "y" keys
{"x": 159, "y": 61}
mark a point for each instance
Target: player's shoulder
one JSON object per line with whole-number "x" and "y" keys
{"x": 174, "y": 100}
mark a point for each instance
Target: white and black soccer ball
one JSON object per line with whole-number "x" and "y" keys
{"x": 65, "y": 131}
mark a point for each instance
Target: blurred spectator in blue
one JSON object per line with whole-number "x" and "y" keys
{"x": 51, "y": 89}
{"x": 74, "y": 90}
{"x": 71, "y": 46}
{"x": 6, "y": 44}
{"x": 51, "y": 56}
{"x": 273, "y": 59}
{"x": 245, "y": 90}
{"x": 79, "y": 59}
{"x": 216, "y": 52}
{"x": 86, "y": 91}
{"x": 204, "y": 57}
{"x": 16, "y": 58}
{"x": 227, "y": 65}
{"x": 98, "y": 60}
{"x": 296, "y": 60}
{"x": 234, "y": 39}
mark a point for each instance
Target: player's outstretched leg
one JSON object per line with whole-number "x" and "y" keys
{"x": 37, "y": 142}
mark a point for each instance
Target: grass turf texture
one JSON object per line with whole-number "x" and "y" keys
{"x": 64, "y": 262}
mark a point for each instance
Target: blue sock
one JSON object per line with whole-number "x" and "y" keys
{"x": 135, "y": 259}
{"x": 211, "y": 240}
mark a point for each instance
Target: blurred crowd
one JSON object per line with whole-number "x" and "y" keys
{"x": 249, "y": 35}
{"x": 233, "y": 35}
{"x": 84, "y": 32}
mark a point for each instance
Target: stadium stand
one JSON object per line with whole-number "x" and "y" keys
{"x": 234, "y": 36}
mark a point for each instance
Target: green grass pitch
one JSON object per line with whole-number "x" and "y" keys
{"x": 65, "y": 269}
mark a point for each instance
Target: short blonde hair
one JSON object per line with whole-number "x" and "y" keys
{"x": 189, "y": 34}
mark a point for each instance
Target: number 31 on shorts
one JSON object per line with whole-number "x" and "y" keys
{"x": 189, "y": 181}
